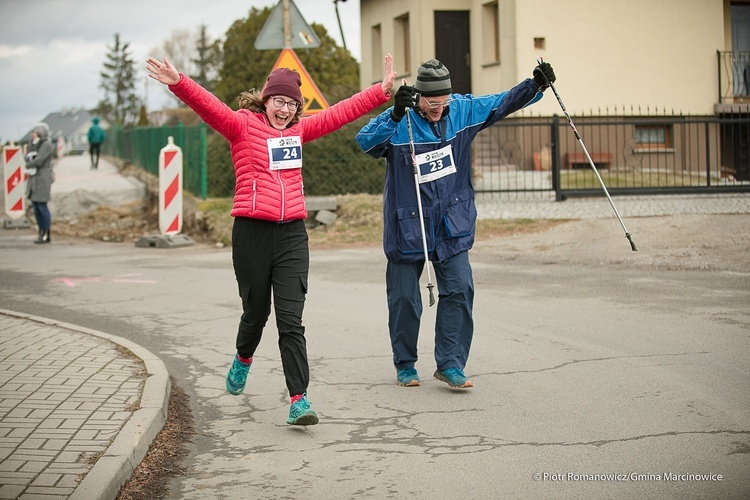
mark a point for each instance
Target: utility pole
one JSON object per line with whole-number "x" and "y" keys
{"x": 336, "y": 5}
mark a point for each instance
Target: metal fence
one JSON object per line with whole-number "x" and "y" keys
{"x": 635, "y": 151}
{"x": 140, "y": 146}
{"x": 634, "y": 154}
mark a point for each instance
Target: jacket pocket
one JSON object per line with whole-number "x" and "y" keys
{"x": 410, "y": 232}
{"x": 461, "y": 216}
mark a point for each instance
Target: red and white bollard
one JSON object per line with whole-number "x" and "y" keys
{"x": 60, "y": 147}
{"x": 14, "y": 181}
{"x": 170, "y": 188}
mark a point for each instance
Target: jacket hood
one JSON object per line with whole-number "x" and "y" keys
{"x": 96, "y": 120}
{"x": 42, "y": 130}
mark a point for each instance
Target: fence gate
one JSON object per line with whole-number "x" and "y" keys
{"x": 664, "y": 154}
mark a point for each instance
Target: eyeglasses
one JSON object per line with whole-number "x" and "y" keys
{"x": 279, "y": 103}
{"x": 436, "y": 105}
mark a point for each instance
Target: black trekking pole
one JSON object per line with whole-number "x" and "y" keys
{"x": 588, "y": 157}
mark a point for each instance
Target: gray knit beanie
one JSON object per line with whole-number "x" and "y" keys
{"x": 433, "y": 79}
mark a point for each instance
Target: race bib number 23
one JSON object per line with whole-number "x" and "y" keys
{"x": 435, "y": 164}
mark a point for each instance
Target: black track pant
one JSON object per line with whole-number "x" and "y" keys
{"x": 271, "y": 258}
{"x": 94, "y": 150}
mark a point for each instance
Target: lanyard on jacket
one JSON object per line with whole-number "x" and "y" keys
{"x": 439, "y": 129}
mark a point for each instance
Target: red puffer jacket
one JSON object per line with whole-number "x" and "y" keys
{"x": 262, "y": 193}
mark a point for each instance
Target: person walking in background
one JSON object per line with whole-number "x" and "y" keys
{"x": 440, "y": 128}
{"x": 39, "y": 185}
{"x": 96, "y": 137}
{"x": 270, "y": 250}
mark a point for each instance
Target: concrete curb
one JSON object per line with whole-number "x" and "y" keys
{"x": 131, "y": 444}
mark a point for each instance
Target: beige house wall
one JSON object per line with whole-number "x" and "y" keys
{"x": 607, "y": 54}
{"x": 422, "y": 46}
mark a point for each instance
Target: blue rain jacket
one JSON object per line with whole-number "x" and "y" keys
{"x": 448, "y": 202}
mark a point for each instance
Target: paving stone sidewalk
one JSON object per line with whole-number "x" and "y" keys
{"x": 76, "y": 416}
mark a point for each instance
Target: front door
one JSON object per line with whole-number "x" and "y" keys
{"x": 452, "y": 47}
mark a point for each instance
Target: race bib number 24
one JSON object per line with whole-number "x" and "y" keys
{"x": 285, "y": 152}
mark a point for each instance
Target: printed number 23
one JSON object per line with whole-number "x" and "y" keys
{"x": 436, "y": 165}
{"x": 290, "y": 153}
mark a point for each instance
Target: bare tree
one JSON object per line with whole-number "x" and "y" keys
{"x": 193, "y": 54}
{"x": 177, "y": 49}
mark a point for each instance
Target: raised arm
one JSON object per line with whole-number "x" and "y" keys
{"x": 350, "y": 109}
{"x": 162, "y": 72}
{"x": 213, "y": 111}
{"x": 389, "y": 77}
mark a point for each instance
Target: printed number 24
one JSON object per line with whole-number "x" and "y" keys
{"x": 290, "y": 153}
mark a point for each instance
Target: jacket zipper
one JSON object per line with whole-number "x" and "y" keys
{"x": 255, "y": 193}
{"x": 281, "y": 185}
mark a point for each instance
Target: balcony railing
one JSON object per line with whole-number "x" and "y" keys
{"x": 734, "y": 77}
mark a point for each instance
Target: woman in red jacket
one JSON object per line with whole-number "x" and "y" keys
{"x": 269, "y": 240}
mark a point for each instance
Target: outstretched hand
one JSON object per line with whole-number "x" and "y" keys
{"x": 162, "y": 72}
{"x": 390, "y": 76}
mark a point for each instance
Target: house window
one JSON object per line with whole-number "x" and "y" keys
{"x": 377, "y": 52}
{"x": 491, "y": 32}
{"x": 651, "y": 137}
{"x": 402, "y": 44}
{"x": 740, "y": 47}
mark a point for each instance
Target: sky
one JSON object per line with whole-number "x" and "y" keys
{"x": 51, "y": 51}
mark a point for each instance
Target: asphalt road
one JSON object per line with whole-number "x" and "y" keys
{"x": 591, "y": 380}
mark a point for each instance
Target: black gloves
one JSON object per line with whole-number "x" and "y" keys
{"x": 543, "y": 76}
{"x": 405, "y": 98}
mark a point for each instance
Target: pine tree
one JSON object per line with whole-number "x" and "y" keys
{"x": 120, "y": 104}
{"x": 143, "y": 116}
{"x": 208, "y": 60}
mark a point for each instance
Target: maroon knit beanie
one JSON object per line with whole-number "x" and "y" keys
{"x": 285, "y": 82}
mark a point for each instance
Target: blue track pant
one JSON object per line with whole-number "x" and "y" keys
{"x": 454, "y": 325}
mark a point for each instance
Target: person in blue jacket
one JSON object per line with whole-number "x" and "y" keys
{"x": 96, "y": 136}
{"x": 443, "y": 126}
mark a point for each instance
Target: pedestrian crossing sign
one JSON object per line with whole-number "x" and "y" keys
{"x": 314, "y": 100}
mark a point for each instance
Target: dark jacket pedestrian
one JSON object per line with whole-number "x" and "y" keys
{"x": 39, "y": 184}
{"x": 440, "y": 128}
{"x": 96, "y": 137}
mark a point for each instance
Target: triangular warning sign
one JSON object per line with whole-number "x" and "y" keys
{"x": 273, "y": 35}
{"x": 314, "y": 100}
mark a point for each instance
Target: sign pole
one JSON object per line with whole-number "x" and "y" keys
{"x": 287, "y": 26}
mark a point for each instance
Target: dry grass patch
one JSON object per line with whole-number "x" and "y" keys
{"x": 359, "y": 223}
